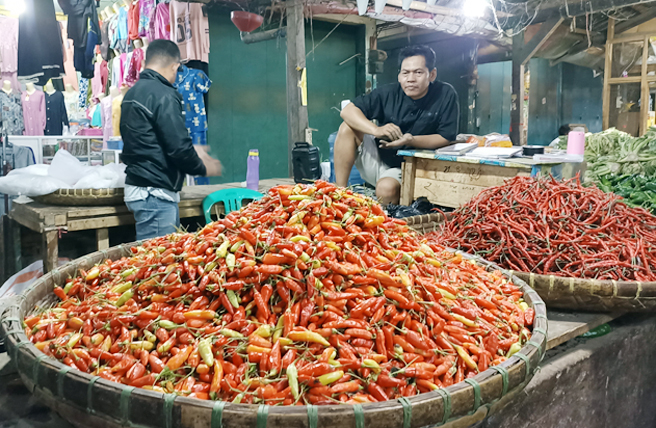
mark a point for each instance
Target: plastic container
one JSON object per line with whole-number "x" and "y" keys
{"x": 306, "y": 161}
{"x": 253, "y": 170}
{"x": 576, "y": 142}
{"x": 354, "y": 178}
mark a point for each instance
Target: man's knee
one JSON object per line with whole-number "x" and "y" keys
{"x": 388, "y": 190}
{"x": 346, "y": 133}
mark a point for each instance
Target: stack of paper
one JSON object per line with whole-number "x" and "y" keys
{"x": 457, "y": 149}
{"x": 495, "y": 152}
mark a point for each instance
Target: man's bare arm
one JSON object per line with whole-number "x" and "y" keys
{"x": 354, "y": 118}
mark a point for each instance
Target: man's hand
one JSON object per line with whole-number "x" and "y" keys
{"x": 213, "y": 166}
{"x": 405, "y": 140}
{"x": 389, "y": 132}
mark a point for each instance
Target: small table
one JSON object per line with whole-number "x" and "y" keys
{"x": 451, "y": 181}
{"x": 49, "y": 220}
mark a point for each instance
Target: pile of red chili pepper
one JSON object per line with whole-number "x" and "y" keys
{"x": 558, "y": 228}
{"x": 310, "y": 295}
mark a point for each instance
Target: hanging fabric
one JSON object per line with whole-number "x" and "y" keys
{"x": 56, "y": 116}
{"x": 134, "y": 67}
{"x": 133, "y": 20}
{"x": 9, "y": 50}
{"x": 39, "y": 42}
{"x": 190, "y": 30}
{"x": 145, "y": 14}
{"x": 70, "y": 76}
{"x": 34, "y": 112}
{"x": 81, "y": 15}
{"x": 11, "y": 113}
{"x": 161, "y": 25}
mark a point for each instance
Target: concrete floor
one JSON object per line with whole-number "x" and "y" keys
{"x": 585, "y": 383}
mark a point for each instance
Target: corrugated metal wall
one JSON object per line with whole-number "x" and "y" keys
{"x": 565, "y": 93}
{"x": 247, "y": 107}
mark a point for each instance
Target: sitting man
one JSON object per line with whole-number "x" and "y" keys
{"x": 418, "y": 112}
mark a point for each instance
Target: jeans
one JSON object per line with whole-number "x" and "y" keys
{"x": 154, "y": 217}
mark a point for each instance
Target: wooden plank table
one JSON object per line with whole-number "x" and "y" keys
{"x": 451, "y": 181}
{"x": 49, "y": 220}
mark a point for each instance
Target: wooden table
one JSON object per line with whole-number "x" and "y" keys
{"x": 451, "y": 181}
{"x": 49, "y": 220}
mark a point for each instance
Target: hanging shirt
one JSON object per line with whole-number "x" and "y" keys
{"x": 133, "y": 20}
{"x": 72, "y": 103}
{"x": 95, "y": 116}
{"x": 11, "y": 113}
{"x": 106, "y": 118}
{"x": 145, "y": 14}
{"x": 121, "y": 42}
{"x": 112, "y": 33}
{"x": 105, "y": 41}
{"x": 8, "y": 44}
{"x": 134, "y": 67}
{"x": 117, "y": 70}
{"x": 190, "y": 30}
{"x": 70, "y": 78}
{"x": 34, "y": 112}
{"x": 162, "y": 22}
{"x": 56, "y": 116}
{"x": 96, "y": 82}
{"x": 116, "y": 116}
{"x": 192, "y": 84}
{"x": 39, "y": 44}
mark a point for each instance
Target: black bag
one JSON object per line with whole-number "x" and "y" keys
{"x": 306, "y": 161}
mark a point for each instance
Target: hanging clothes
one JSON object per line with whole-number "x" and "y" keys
{"x": 106, "y": 118}
{"x": 11, "y": 113}
{"x": 192, "y": 84}
{"x": 82, "y": 15}
{"x": 84, "y": 95}
{"x": 70, "y": 76}
{"x": 162, "y": 22}
{"x": 83, "y": 57}
{"x": 116, "y": 116}
{"x": 134, "y": 69}
{"x": 72, "y": 104}
{"x": 97, "y": 87}
{"x": 39, "y": 42}
{"x": 145, "y": 14}
{"x": 121, "y": 41}
{"x": 34, "y": 112}
{"x": 9, "y": 50}
{"x": 56, "y": 116}
{"x": 112, "y": 33}
{"x": 96, "y": 119}
{"x": 117, "y": 70}
{"x": 105, "y": 51}
{"x": 133, "y": 20}
{"x": 190, "y": 30}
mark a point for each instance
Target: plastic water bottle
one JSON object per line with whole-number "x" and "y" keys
{"x": 253, "y": 170}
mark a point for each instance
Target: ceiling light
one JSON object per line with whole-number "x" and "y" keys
{"x": 475, "y": 8}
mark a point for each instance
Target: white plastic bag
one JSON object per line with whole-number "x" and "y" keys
{"x": 66, "y": 167}
{"x": 30, "y": 184}
{"x": 102, "y": 177}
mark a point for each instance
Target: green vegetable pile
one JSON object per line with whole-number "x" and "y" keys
{"x": 618, "y": 153}
{"x": 637, "y": 190}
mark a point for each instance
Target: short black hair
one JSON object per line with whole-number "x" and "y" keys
{"x": 564, "y": 129}
{"x": 418, "y": 50}
{"x": 163, "y": 52}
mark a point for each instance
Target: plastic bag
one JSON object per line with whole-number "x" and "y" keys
{"x": 419, "y": 207}
{"x": 67, "y": 168}
{"x": 30, "y": 184}
{"x": 108, "y": 176}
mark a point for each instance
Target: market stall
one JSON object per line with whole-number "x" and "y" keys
{"x": 451, "y": 181}
{"x": 50, "y": 220}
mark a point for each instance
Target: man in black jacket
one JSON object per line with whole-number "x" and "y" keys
{"x": 157, "y": 148}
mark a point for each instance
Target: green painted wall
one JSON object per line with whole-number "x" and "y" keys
{"x": 247, "y": 107}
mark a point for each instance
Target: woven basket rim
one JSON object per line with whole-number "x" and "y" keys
{"x": 534, "y": 349}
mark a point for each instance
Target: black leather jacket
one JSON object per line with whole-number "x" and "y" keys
{"x": 157, "y": 148}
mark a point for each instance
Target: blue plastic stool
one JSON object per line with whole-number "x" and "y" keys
{"x": 231, "y": 199}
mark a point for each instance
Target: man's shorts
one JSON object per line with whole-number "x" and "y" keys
{"x": 369, "y": 164}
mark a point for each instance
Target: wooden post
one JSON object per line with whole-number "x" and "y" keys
{"x": 297, "y": 115}
{"x": 517, "y": 98}
{"x": 607, "y": 74}
{"x": 102, "y": 236}
{"x": 50, "y": 250}
{"x": 644, "y": 88}
{"x": 409, "y": 175}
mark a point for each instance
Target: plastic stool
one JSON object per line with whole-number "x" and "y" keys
{"x": 231, "y": 199}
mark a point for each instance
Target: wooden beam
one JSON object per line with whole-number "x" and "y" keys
{"x": 639, "y": 19}
{"x": 517, "y": 98}
{"x": 644, "y": 88}
{"x": 533, "y": 46}
{"x": 297, "y": 114}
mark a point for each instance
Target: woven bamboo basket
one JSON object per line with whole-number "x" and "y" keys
{"x": 591, "y": 294}
{"x": 83, "y": 197}
{"x": 91, "y": 401}
{"x": 571, "y": 293}
{"x": 425, "y": 223}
